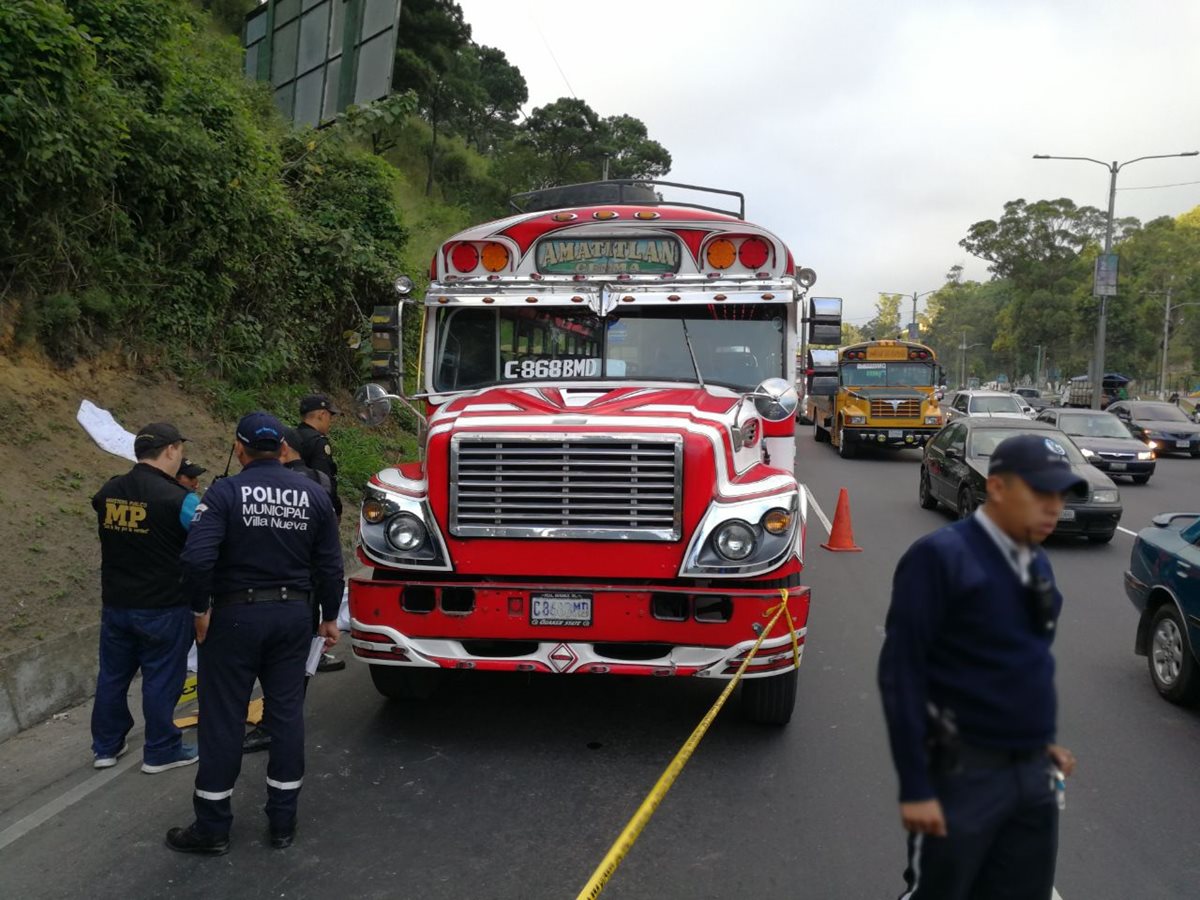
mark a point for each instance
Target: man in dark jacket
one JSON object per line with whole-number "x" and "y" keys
{"x": 967, "y": 680}
{"x": 316, "y": 418}
{"x": 143, "y": 519}
{"x": 263, "y": 548}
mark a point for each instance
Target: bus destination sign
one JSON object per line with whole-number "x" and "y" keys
{"x": 608, "y": 256}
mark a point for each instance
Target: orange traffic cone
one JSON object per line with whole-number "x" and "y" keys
{"x": 841, "y": 536}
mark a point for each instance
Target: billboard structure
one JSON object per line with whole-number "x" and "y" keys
{"x": 321, "y": 56}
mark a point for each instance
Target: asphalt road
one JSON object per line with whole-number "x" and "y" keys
{"x": 514, "y": 786}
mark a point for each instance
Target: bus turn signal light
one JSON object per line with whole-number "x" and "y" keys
{"x": 721, "y": 253}
{"x": 777, "y": 521}
{"x": 494, "y": 256}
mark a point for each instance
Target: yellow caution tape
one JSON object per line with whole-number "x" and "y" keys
{"x": 633, "y": 830}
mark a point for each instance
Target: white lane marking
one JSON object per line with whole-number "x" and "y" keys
{"x": 1126, "y": 531}
{"x": 820, "y": 512}
{"x": 45, "y": 813}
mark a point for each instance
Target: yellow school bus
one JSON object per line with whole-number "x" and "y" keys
{"x": 881, "y": 394}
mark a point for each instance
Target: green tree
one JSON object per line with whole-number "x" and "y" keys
{"x": 631, "y": 152}
{"x": 566, "y": 136}
{"x": 886, "y": 323}
{"x": 434, "y": 60}
{"x": 489, "y": 119}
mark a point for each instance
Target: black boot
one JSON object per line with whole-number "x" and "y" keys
{"x": 256, "y": 740}
{"x": 189, "y": 840}
{"x": 281, "y": 838}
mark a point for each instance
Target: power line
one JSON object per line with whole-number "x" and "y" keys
{"x": 550, "y": 50}
{"x": 1154, "y": 187}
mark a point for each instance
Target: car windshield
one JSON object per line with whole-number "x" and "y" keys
{"x": 983, "y": 441}
{"x": 888, "y": 374}
{"x": 1102, "y": 425}
{"x": 1003, "y": 403}
{"x": 1157, "y": 412}
{"x": 735, "y": 345}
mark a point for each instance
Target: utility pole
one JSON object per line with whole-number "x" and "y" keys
{"x": 914, "y": 332}
{"x": 1162, "y": 378}
{"x": 1097, "y": 376}
{"x": 1037, "y": 370}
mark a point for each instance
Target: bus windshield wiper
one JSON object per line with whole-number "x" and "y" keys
{"x": 692, "y": 353}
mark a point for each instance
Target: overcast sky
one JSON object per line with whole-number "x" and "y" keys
{"x": 870, "y": 136}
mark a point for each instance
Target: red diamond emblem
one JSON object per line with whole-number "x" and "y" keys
{"x": 563, "y": 657}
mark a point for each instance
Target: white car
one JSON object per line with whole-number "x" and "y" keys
{"x": 997, "y": 404}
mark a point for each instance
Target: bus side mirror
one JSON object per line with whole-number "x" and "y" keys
{"x": 387, "y": 363}
{"x": 824, "y": 386}
{"x": 825, "y": 321}
{"x": 372, "y": 404}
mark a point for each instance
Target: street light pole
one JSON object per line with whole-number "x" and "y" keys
{"x": 962, "y": 359}
{"x": 1168, "y": 308}
{"x": 1114, "y": 167}
{"x": 913, "y": 331}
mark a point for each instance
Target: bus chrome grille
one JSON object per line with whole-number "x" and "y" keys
{"x": 566, "y": 487}
{"x": 895, "y": 409}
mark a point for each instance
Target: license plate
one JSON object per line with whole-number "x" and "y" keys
{"x": 1183, "y": 444}
{"x": 895, "y": 433}
{"x": 560, "y": 608}
{"x": 1119, "y": 467}
{"x": 1067, "y": 515}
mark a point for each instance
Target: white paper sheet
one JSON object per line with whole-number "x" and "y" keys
{"x": 105, "y": 430}
{"x": 315, "y": 649}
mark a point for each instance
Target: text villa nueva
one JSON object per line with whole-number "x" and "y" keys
{"x": 275, "y": 508}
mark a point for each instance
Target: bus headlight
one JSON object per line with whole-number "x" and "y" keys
{"x": 406, "y": 532}
{"x": 856, "y": 420}
{"x": 933, "y": 420}
{"x": 734, "y": 540}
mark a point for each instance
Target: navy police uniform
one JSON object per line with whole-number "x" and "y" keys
{"x": 263, "y": 547}
{"x": 967, "y": 680}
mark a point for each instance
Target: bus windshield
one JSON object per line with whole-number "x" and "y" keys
{"x": 889, "y": 374}
{"x": 736, "y": 345}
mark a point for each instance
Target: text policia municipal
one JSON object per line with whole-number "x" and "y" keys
{"x": 271, "y": 507}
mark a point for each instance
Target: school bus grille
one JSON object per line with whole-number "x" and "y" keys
{"x": 895, "y": 409}
{"x": 593, "y": 488}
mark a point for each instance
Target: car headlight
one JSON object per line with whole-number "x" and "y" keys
{"x": 1146, "y": 454}
{"x": 933, "y": 420}
{"x": 1105, "y": 497}
{"x": 1087, "y": 454}
{"x": 1153, "y": 445}
{"x": 734, "y": 540}
{"x": 856, "y": 420}
{"x": 406, "y": 532}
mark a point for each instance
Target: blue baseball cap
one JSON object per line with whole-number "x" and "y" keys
{"x": 1040, "y": 460}
{"x": 260, "y": 431}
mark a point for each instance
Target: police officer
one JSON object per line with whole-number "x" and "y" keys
{"x": 258, "y": 738}
{"x": 264, "y": 545}
{"x": 143, "y": 518}
{"x": 967, "y": 680}
{"x": 316, "y": 417}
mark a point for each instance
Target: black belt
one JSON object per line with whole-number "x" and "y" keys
{"x": 976, "y": 757}
{"x": 261, "y": 595}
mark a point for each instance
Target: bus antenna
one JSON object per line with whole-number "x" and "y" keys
{"x": 692, "y": 353}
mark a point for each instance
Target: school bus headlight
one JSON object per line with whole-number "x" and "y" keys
{"x": 933, "y": 420}
{"x": 406, "y": 532}
{"x": 856, "y": 420}
{"x": 734, "y": 540}
{"x": 373, "y": 511}
{"x": 777, "y": 521}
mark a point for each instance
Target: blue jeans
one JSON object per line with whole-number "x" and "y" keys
{"x": 155, "y": 641}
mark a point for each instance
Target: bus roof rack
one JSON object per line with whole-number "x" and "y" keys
{"x": 618, "y": 191}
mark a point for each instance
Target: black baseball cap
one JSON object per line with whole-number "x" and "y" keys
{"x": 291, "y": 437}
{"x": 260, "y": 431}
{"x": 1039, "y": 460}
{"x": 156, "y": 434}
{"x": 190, "y": 469}
{"x": 313, "y": 402}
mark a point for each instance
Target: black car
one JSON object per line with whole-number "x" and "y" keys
{"x": 1106, "y": 441}
{"x": 1164, "y": 423}
{"x": 954, "y": 474}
